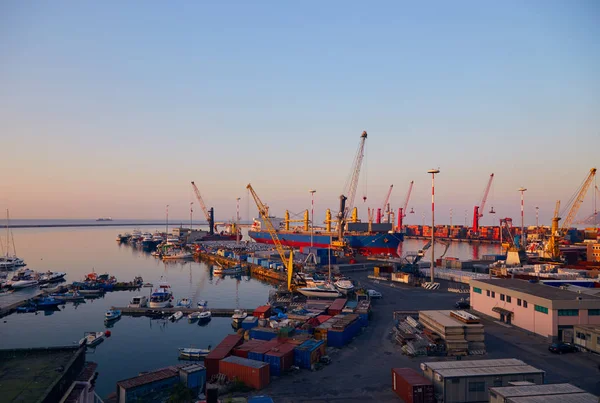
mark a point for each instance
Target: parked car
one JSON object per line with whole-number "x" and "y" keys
{"x": 462, "y": 305}
{"x": 560, "y": 348}
{"x": 374, "y": 294}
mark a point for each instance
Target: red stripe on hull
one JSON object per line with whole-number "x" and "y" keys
{"x": 366, "y": 251}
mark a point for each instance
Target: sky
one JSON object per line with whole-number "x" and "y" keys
{"x": 111, "y": 108}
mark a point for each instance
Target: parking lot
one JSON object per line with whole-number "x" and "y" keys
{"x": 361, "y": 371}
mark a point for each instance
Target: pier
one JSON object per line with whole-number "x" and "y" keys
{"x": 215, "y": 312}
{"x": 9, "y": 306}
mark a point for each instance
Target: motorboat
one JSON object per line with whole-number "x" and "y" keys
{"x": 91, "y": 293}
{"x": 176, "y": 316}
{"x": 11, "y": 262}
{"x": 238, "y": 316}
{"x": 23, "y": 284}
{"x": 177, "y": 254}
{"x": 161, "y": 298}
{"x": 51, "y": 277}
{"x": 112, "y": 314}
{"x": 202, "y": 304}
{"x": 68, "y": 296}
{"x": 26, "y": 308}
{"x": 172, "y": 240}
{"x": 147, "y": 240}
{"x": 119, "y": 238}
{"x": 204, "y": 316}
{"x": 193, "y": 353}
{"x": 184, "y": 303}
{"x": 227, "y": 271}
{"x": 47, "y": 302}
{"x": 344, "y": 286}
{"x": 320, "y": 291}
{"x": 91, "y": 339}
{"x": 138, "y": 302}
{"x": 157, "y": 238}
{"x": 194, "y": 316}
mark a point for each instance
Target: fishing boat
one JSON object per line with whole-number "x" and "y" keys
{"x": 193, "y": 353}
{"x": 344, "y": 286}
{"x": 47, "y": 302}
{"x": 176, "y": 316}
{"x": 91, "y": 339}
{"x": 68, "y": 296}
{"x": 194, "y": 316}
{"x": 23, "y": 284}
{"x": 112, "y": 314}
{"x": 26, "y": 308}
{"x": 238, "y": 316}
{"x": 320, "y": 291}
{"x": 51, "y": 277}
{"x": 184, "y": 303}
{"x": 138, "y": 302}
{"x": 227, "y": 271}
{"x": 161, "y": 298}
{"x": 204, "y": 317}
{"x": 177, "y": 254}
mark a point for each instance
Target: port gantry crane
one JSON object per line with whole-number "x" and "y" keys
{"x": 350, "y": 191}
{"x": 208, "y": 214}
{"x": 386, "y": 206}
{"x": 478, "y": 210}
{"x": 571, "y": 209}
{"x": 402, "y": 210}
{"x": 264, "y": 213}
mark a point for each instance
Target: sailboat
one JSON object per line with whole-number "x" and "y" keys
{"x": 325, "y": 290}
{"x": 7, "y": 261}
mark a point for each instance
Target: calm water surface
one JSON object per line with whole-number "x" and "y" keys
{"x": 137, "y": 344}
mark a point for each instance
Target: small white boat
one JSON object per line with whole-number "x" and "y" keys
{"x": 344, "y": 286}
{"x": 176, "y": 316}
{"x": 238, "y": 316}
{"x": 177, "y": 254}
{"x": 204, "y": 316}
{"x": 193, "y": 353}
{"x": 202, "y": 304}
{"x": 112, "y": 314}
{"x": 184, "y": 303}
{"x": 92, "y": 339}
{"x": 138, "y": 302}
{"x": 320, "y": 291}
{"x": 230, "y": 271}
{"x": 23, "y": 284}
{"x": 50, "y": 277}
{"x": 194, "y": 316}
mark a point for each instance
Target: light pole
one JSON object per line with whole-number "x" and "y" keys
{"x": 522, "y": 190}
{"x": 167, "y": 222}
{"x": 433, "y": 172}
{"x": 312, "y": 214}
{"x": 237, "y": 219}
{"x": 537, "y": 217}
{"x": 450, "y": 218}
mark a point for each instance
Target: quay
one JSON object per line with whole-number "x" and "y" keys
{"x": 11, "y": 307}
{"x": 446, "y": 239}
{"x": 215, "y": 312}
{"x": 255, "y": 270}
{"x": 103, "y": 224}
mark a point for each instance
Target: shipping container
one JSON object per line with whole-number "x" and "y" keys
{"x": 280, "y": 358}
{"x": 337, "y": 306}
{"x": 363, "y": 318}
{"x": 258, "y": 352}
{"x": 249, "y": 323}
{"x": 309, "y": 353}
{"x": 262, "y": 312}
{"x": 265, "y": 263}
{"x": 193, "y": 377}
{"x": 339, "y": 337}
{"x": 252, "y": 373}
{"x": 244, "y": 349}
{"x": 323, "y": 318}
{"x": 263, "y": 333}
{"x": 260, "y": 399}
{"x": 411, "y": 386}
{"x": 222, "y": 350}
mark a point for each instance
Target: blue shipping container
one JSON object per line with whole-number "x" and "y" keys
{"x": 193, "y": 376}
{"x": 260, "y": 399}
{"x": 265, "y": 263}
{"x": 303, "y": 353}
{"x": 250, "y": 322}
{"x": 363, "y": 318}
{"x": 340, "y": 339}
{"x": 255, "y": 356}
{"x": 262, "y": 334}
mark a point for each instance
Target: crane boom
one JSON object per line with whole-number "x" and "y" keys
{"x": 578, "y": 201}
{"x": 352, "y": 185}
{"x": 201, "y": 202}
{"x": 478, "y": 210}
{"x": 407, "y": 198}
{"x": 264, "y": 213}
{"x": 387, "y": 198}
{"x": 485, "y": 195}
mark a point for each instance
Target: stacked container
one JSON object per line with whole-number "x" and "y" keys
{"x": 308, "y": 353}
{"x": 258, "y": 353}
{"x": 211, "y": 362}
{"x": 363, "y": 310}
{"x": 280, "y": 358}
{"x": 249, "y": 322}
{"x": 254, "y": 374}
{"x": 262, "y": 312}
{"x": 343, "y": 330}
{"x": 337, "y": 306}
{"x": 263, "y": 333}
{"x": 412, "y": 387}
{"x": 244, "y": 349}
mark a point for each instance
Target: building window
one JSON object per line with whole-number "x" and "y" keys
{"x": 541, "y": 309}
{"x": 594, "y": 312}
{"x": 508, "y": 299}
{"x": 580, "y": 335}
{"x": 493, "y": 294}
{"x": 568, "y": 312}
{"x": 501, "y": 297}
{"x": 476, "y": 386}
{"x": 519, "y": 301}
{"x": 487, "y": 292}
{"x": 524, "y": 304}
{"x": 477, "y": 290}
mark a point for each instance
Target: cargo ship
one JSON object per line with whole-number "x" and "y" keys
{"x": 380, "y": 240}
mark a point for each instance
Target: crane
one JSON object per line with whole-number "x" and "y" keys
{"x": 552, "y": 244}
{"x": 577, "y": 201}
{"x": 402, "y": 210}
{"x": 478, "y": 210}
{"x": 208, "y": 214}
{"x": 385, "y": 203}
{"x": 351, "y": 186}
{"x": 591, "y": 219}
{"x": 264, "y": 213}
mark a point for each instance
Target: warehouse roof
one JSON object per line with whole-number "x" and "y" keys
{"x": 149, "y": 377}
{"x": 483, "y": 371}
{"x": 573, "y": 398}
{"x": 536, "y": 289}
{"x": 504, "y": 362}
{"x": 536, "y": 390}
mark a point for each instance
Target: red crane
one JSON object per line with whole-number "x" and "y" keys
{"x": 385, "y": 203}
{"x": 402, "y": 210}
{"x": 478, "y": 210}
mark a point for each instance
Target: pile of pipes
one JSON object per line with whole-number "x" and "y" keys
{"x": 409, "y": 333}
{"x": 460, "y": 330}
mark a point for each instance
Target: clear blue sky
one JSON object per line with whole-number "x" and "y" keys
{"x": 112, "y": 108}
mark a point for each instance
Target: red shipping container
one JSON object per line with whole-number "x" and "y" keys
{"x": 244, "y": 349}
{"x": 336, "y": 307}
{"x": 252, "y": 373}
{"x": 411, "y": 386}
{"x": 262, "y": 312}
{"x": 211, "y": 362}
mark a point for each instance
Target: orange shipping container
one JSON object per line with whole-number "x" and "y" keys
{"x": 254, "y": 374}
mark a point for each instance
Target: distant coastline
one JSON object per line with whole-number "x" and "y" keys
{"x": 66, "y": 223}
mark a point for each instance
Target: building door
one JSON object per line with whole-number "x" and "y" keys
{"x": 502, "y": 317}
{"x": 508, "y": 319}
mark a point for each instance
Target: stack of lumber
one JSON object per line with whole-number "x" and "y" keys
{"x": 460, "y": 337}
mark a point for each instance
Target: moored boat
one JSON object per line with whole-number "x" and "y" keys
{"x": 194, "y": 316}
{"x": 176, "y": 316}
{"x": 238, "y": 316}
{"x": 193, "y": 353}
{"x": 227, "y": 271}
{"x": 68, "y": 296}
{"x": 319, "y": 291}
{"x": 204, "y": 317}
{"x": 112, "y": 314}
{"x": 161, "y": 298}
{"x": 184, "y": 303}
{"x": 51, "y": 277}
{"x": 177, "y": 254}
{"x": 91, "y": 339}
{"x": 139, "y": 301}
{"x": 202, "y": 304}
{"x": 23, "y": 284}
{"x": 344, "y": 286}
{"x": 47, "y": 302}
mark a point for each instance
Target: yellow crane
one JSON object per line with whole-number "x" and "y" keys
{"x": 264, "y": 213}
{"x": 552, "y": 244}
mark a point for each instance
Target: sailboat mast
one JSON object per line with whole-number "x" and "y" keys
{"x": 7, "y": 238}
